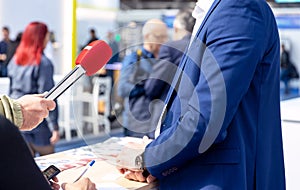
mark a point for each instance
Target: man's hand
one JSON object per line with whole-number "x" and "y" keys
{"x": 127, "y": 157}
{"x": 3, "y": 57}
{"x": 34, "y": 109}
{"x": 55, "y": 137}
{"x": 82, "y": 184}
{"x": 137, "y": 175}
{"x": 54, "y": 183}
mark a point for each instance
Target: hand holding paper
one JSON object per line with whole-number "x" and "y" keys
{"x": 129, "y": 156}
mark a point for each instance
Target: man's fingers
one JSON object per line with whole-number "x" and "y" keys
{"x": 139, "y": 176}
{"x": 51, "y": 105}
{"x": 44, "y": 113}
{"x": 150, "y": 179}
{"x": 121, "y": 170}
{"x": 130, "y": 175}
{"x": 48, "y": 104}
{"x": 63, "y": 185}
{"x": 92, "y": 186}
{"x": 55, "y": 179}
{"x": 136, "y": 176}
{"x": 55, "y": 186}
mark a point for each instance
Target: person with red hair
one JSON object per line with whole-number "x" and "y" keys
{"x": 31, "y": 72}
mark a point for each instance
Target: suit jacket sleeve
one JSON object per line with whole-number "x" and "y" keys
{"x": 234, "y": 46}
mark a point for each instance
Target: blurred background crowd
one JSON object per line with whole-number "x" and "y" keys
{"x": 95, "y": 106}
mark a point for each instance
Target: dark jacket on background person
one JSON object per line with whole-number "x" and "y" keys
{"x": 169, "y": 57}
{"x": 3, "y": 50}
{"x": 135, "y": 70}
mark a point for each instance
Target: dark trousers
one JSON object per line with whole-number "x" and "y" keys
{"x": 284, "y": 76}
{"x": 17, "y": 166}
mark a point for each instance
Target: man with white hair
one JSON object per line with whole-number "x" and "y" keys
{"x": 136, "y": 68}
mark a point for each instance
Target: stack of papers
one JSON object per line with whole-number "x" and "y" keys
{"x": 114, "y": 151}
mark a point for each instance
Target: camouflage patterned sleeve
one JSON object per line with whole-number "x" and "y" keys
{"x": 10, "y": 109}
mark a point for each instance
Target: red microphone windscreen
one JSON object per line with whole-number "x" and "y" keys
{"x": 94, "y": 56}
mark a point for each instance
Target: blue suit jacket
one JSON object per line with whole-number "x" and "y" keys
{"x": 222, "y": 128}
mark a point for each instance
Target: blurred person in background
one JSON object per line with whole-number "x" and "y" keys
{"x": 31, "y": 72}
{"x": 6, "y": 51}
{"x": 170, "y": 54}
{"x": 16, "y": 43}
{"x": 136, "y": 68}
{"x": 288, "y": 70}
{"x": 51, "y": 46}
{"x": 110, "y": 36}
{"x": 92, "y": 38}
{"x": 115, "y": 53}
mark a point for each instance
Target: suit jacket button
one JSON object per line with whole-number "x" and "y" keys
{"x": 165, "y": 173}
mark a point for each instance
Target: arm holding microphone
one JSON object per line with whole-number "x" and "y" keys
{"x": 29, "y": 110}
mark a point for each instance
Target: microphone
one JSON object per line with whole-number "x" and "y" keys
{"x": 90, "y": 60}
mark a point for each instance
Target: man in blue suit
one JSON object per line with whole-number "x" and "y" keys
{"x": 222, "y": 127}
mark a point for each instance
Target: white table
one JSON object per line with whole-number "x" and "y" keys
{"x": 103, "y": 173}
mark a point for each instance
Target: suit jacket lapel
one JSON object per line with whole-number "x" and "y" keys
{"x": 185, "y": 57}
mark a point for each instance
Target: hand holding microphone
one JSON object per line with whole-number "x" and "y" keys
{"x": 90, "y": 60}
